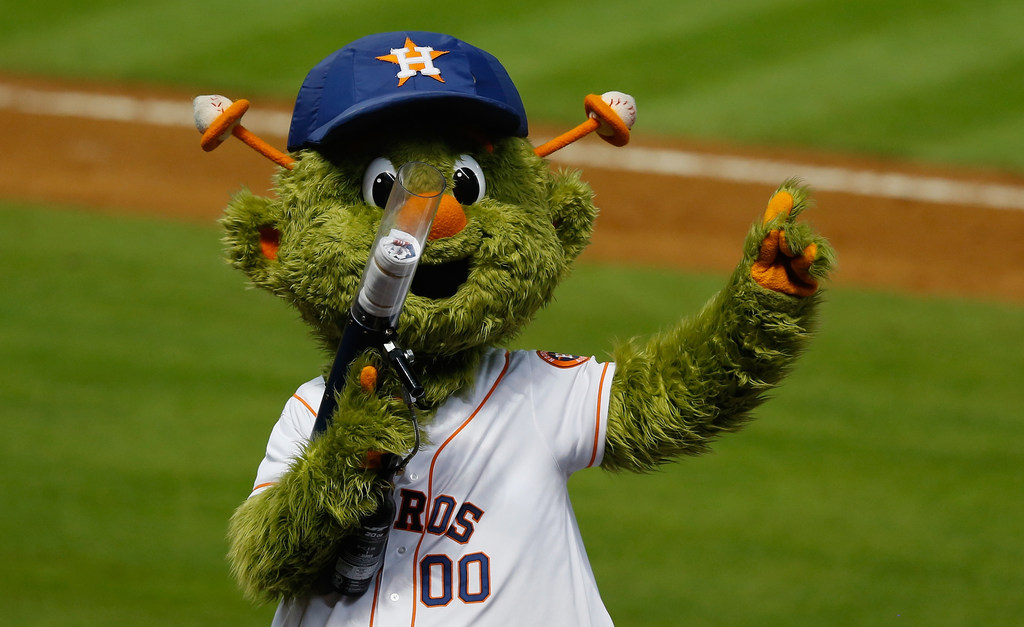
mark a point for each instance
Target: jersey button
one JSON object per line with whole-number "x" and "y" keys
{"x": 413, "y": 477}
{"x": 401, "y": 550}
{"x": 394, "y": 596}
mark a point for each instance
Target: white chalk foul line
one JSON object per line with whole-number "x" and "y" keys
{"x": 120, "y": 108}
{"x": 824, "y": 178}
{"x": 689, "y": 164}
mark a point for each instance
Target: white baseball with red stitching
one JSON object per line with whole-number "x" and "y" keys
{"x": 623, "y": 105}
{"x": 206, "y": 109}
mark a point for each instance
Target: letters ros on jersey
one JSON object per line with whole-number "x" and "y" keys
{"x": 442, "y": 578}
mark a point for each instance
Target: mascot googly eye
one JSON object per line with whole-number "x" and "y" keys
{"x": 419, "y": 476}
{"x": 470, "y": 184}
{"x": 378, "y": 181}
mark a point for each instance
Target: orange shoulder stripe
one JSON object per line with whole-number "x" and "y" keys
{"x": 303, "y": 401}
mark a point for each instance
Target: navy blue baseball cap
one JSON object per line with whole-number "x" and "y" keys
{"x": 394, "y": 75}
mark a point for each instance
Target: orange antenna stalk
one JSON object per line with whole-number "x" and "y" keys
{"x": 611, "y": 114}
{"x": 218, "y": 118}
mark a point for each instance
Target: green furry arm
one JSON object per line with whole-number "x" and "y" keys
{"x": 677, "y": 392}
{"x": 284, "y": 539}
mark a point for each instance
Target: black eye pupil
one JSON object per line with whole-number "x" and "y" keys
{"x": 467, "y": 187}
{"x": 382, "y": 188}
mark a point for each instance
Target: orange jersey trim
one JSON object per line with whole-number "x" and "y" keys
{"x": 376, "y": 595}
{"x": 303, "y": 401}
{"x": 597, "y": 421}
{"x": 430, "y": 484}
{"x": 264, "y": 485}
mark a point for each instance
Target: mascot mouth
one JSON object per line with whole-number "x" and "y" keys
{"x": 441, "y": 280}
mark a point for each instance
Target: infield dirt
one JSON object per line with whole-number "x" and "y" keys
{"x": 671, "y": 221}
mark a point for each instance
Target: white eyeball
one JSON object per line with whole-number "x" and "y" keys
{"x": 377, "y": 181}
{"x": 470, "y": 185}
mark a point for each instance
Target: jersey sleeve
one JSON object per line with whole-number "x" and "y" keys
{"x": 570, "y": 402}
{"x": 290, "y": 434}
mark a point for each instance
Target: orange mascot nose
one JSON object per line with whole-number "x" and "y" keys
{"x": 449, "y": 220}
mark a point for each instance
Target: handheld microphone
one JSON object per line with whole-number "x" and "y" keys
{"x": 373, "y": 317}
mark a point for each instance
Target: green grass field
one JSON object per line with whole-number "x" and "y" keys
{"x": 881, "y": 486}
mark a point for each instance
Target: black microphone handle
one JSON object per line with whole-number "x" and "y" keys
{"x": 358, "y": 336}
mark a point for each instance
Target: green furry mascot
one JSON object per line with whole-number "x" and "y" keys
{"x": 479, "y": 529}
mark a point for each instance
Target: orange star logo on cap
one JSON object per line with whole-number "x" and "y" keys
{"x": 413, "y": 60}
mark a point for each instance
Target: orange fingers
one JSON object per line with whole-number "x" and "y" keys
{"x": 778, "y": 267}
{"x": 768, "y": 271}
{"x": 783, "y": 274}
{"x": 368, "y": 379}
{"x": 781, "y": 202}
{"x": 801, "y": 269}
{"x": 770, "y": 248}
{"x": 801, "y": 260}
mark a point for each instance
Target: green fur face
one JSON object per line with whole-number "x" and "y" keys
{"x": 476, "y": 288}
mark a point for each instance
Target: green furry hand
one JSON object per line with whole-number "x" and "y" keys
{"x": 786, "y": 256}
{"x": 285, "y": 537}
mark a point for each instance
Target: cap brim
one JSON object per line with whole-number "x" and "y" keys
{"x": 430, "y": 108}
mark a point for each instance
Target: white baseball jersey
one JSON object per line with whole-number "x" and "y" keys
{"x": 484, "y": 532}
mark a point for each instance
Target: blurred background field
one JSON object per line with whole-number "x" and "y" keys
{"x": 882, "y": 485}
{"x": 928, "y": 80}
